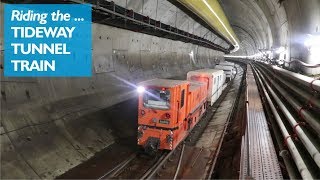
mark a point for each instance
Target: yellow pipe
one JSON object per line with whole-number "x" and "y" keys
{"x": 211, "y": 12}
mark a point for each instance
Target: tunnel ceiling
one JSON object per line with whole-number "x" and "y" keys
{"x": 260, "y": 25}
{"x": 258, "y": 28}
{"x": 257, "y": 23}
{"x": 167, "y": 13}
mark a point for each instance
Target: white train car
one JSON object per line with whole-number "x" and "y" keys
{"x": 213, "y": 77}
{"x": 226, "y": 63}
{"x": 228, "y": 68}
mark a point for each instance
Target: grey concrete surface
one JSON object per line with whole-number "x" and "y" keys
{"x": 167, "y": 13}
{"x": 258, "y": 24}
{"x": 304, "y": 19}
{"x": 49, "y": 125}
{"x": 269, "y": 24}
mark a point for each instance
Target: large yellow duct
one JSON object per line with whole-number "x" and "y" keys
{"x": 211, "y": 12}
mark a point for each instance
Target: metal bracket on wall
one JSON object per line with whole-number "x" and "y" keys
{"x": 109, "y": 13}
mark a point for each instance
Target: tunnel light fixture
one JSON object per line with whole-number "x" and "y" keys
{"x": 191, "y": 54}
{"x": 236, "y": 46}
{"x": 312, "y": 40}
{"x": 257, "y": 55}
{"x": 140, "y": 89}
{"x": 314, "y": 54}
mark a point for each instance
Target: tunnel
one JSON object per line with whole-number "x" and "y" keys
{"x": 266, "y": 119}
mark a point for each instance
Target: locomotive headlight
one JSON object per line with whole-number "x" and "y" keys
{"x": 140, "y": 89}
{"x": 140, "y": 134}
{"x": 169, "y": 138}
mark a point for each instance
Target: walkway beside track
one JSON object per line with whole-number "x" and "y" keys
{"x": 258, "y": 156}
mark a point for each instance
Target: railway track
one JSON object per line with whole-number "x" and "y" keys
{"x": 118, "y": 168}
{"x": 134, "y": 167}
{"x": 139, "y": 166}
{"x": 166, "y": 164}
{"x": 154, "y": 171}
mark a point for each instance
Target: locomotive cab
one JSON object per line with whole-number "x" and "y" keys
{"x": 162, "y": 109}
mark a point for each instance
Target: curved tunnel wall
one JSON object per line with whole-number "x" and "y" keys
{"x": 50, "y": 125}
{"x": 304, "y": 19}
{"x": 263, "y": 21}
{"x": 274, "y": 23}
{"x": 166, "y": 12}
{"x": 212, "y": 13}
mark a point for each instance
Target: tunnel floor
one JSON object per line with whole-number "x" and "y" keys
{"x": 123, "y": 117}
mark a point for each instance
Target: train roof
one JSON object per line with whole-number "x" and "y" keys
{"x": 222, "y": 67}
{"x": 162, "y": 82}
{"x": 207, "y": 71}
{"x": 225, "y": 63}
{"x": 194, "y": 85}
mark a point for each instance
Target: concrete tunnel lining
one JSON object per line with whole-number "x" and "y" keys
{"x": 42, "y": 128}
{"x": 61, "y": 123}
{"x": 59, "y": 104}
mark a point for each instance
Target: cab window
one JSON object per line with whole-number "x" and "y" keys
{"x": 182, "y": 98}
{"x": 157, "y": 99}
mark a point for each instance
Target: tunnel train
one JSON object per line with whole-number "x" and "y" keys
{"x": 228, "y": 68}
{"x": 169, "y": 109}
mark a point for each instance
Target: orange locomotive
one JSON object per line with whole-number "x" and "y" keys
{"x": 168, "y": 110}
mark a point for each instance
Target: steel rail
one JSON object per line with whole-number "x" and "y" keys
{"x": 146, "y": 174}
{"x": 152, "y": 171}
{"x": 230, "y": 116}
{"x": 118, "y": 168}
{"x": 196, "y": 158}
{"x": 179, "y": 163}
